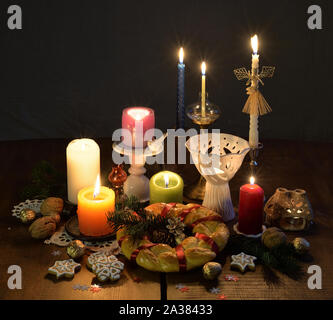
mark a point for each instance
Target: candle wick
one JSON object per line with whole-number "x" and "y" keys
{"x": 166, "y": 181}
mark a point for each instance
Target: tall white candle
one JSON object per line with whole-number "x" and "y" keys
{"x": 254, "y": 133}
{"x": 203, "y": 89}
{"x": 83, "y": 166}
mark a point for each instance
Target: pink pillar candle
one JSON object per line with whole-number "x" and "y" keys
{"x": 250, "y": 211}
{"x": 136, "y": 121}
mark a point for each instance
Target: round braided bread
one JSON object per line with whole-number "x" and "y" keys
{"x": 211, "y": 236}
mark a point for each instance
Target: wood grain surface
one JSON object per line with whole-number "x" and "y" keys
{"x": 284, "y": 164}
{"x": 291, "y": 165}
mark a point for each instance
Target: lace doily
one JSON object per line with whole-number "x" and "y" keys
{"x": 61, "y": 238}
{"x": 28, "y": 204}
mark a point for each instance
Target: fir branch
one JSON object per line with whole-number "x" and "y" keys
{"x": 122, "y": 218}
{"x": 131, "y": 203}
{"x": 282, "y": 258}
{"x": 270, "y": 276}
{"x": 46, "y": 181}
{"x": 137, "y": 223}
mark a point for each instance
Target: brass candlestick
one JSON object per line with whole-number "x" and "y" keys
{"x": 196, "y": 191}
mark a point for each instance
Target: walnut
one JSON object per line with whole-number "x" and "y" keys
{"x": 273, "y": 237}
{"x": 56, "y": 217}
{"x": 42, "y": 228}
{"x": 52, "y": 206}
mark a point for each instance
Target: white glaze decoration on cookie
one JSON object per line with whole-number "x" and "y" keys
{"x": 242, "y": 261}
{"x": 105, "y": 267}
{"x": 117, "y": 265}
{"x": 64, "y": 268}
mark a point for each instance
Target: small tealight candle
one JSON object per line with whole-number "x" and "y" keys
{"x": 94, "y": 203}
{"x": 137, "y": 121}
{"x": 166, "y": 186}
{"x": 250, "y": 211}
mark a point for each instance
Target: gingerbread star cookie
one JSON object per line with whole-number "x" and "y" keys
{"x": 105, "y": 266}
{"x": 243, "y": 261}
{"x": 64, "y": 268}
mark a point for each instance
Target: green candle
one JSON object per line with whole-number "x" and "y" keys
{"x": 166, "y": 186}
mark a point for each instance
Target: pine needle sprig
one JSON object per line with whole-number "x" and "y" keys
{"x": 282, "y": 258}
{"x": 138, "y": 223}
{"x": 46, "y": 181}
{"x": 131, "y": 203}
{"x": 122, "y": 218}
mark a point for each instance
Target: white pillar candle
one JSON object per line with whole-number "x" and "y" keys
{"x": 83, "y": 166}
{"x": 254, "y": 133}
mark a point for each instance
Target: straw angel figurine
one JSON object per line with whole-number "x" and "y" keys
{"x": 256, "y": 105}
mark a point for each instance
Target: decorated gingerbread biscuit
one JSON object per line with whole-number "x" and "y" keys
{"x": 243, "y": 261}
{"x": 101, "y": 257}
{"x": 64, "y": 268}
{"x": 105, "y": 266}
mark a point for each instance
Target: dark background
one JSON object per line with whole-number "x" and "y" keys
{"x": 76, "y": 64}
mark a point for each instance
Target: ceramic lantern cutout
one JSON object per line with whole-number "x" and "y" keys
{"x": 218, "y": 157}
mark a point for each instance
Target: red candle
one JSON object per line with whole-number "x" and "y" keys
{"x": 250, "y": 211}
{"x": 137, "y": 121}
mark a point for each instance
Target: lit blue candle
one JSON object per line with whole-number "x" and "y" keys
{"x": 181, "y": 91}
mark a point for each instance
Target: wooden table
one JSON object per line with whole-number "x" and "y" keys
{"x": 288, "y": 164}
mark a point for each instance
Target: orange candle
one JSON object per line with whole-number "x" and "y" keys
{"x": 94, "y": 203}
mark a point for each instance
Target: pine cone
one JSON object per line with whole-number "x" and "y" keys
{"x": 176, "y": 227}
{"x": 163, "y": 237}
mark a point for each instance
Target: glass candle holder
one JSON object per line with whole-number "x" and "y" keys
{"x": 212, "y": 112}
{"x": 204, "y": 120}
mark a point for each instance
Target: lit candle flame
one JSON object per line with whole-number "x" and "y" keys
{"x": 138, "y": 114}
{"x": 166, "y": 180}
{"x": 254, "y": 43}
{"x": 252, "y": 180}
{"x": 203, "y": 68}
{"x": 97, "y": 186}
{"x": 181, "y": 55}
